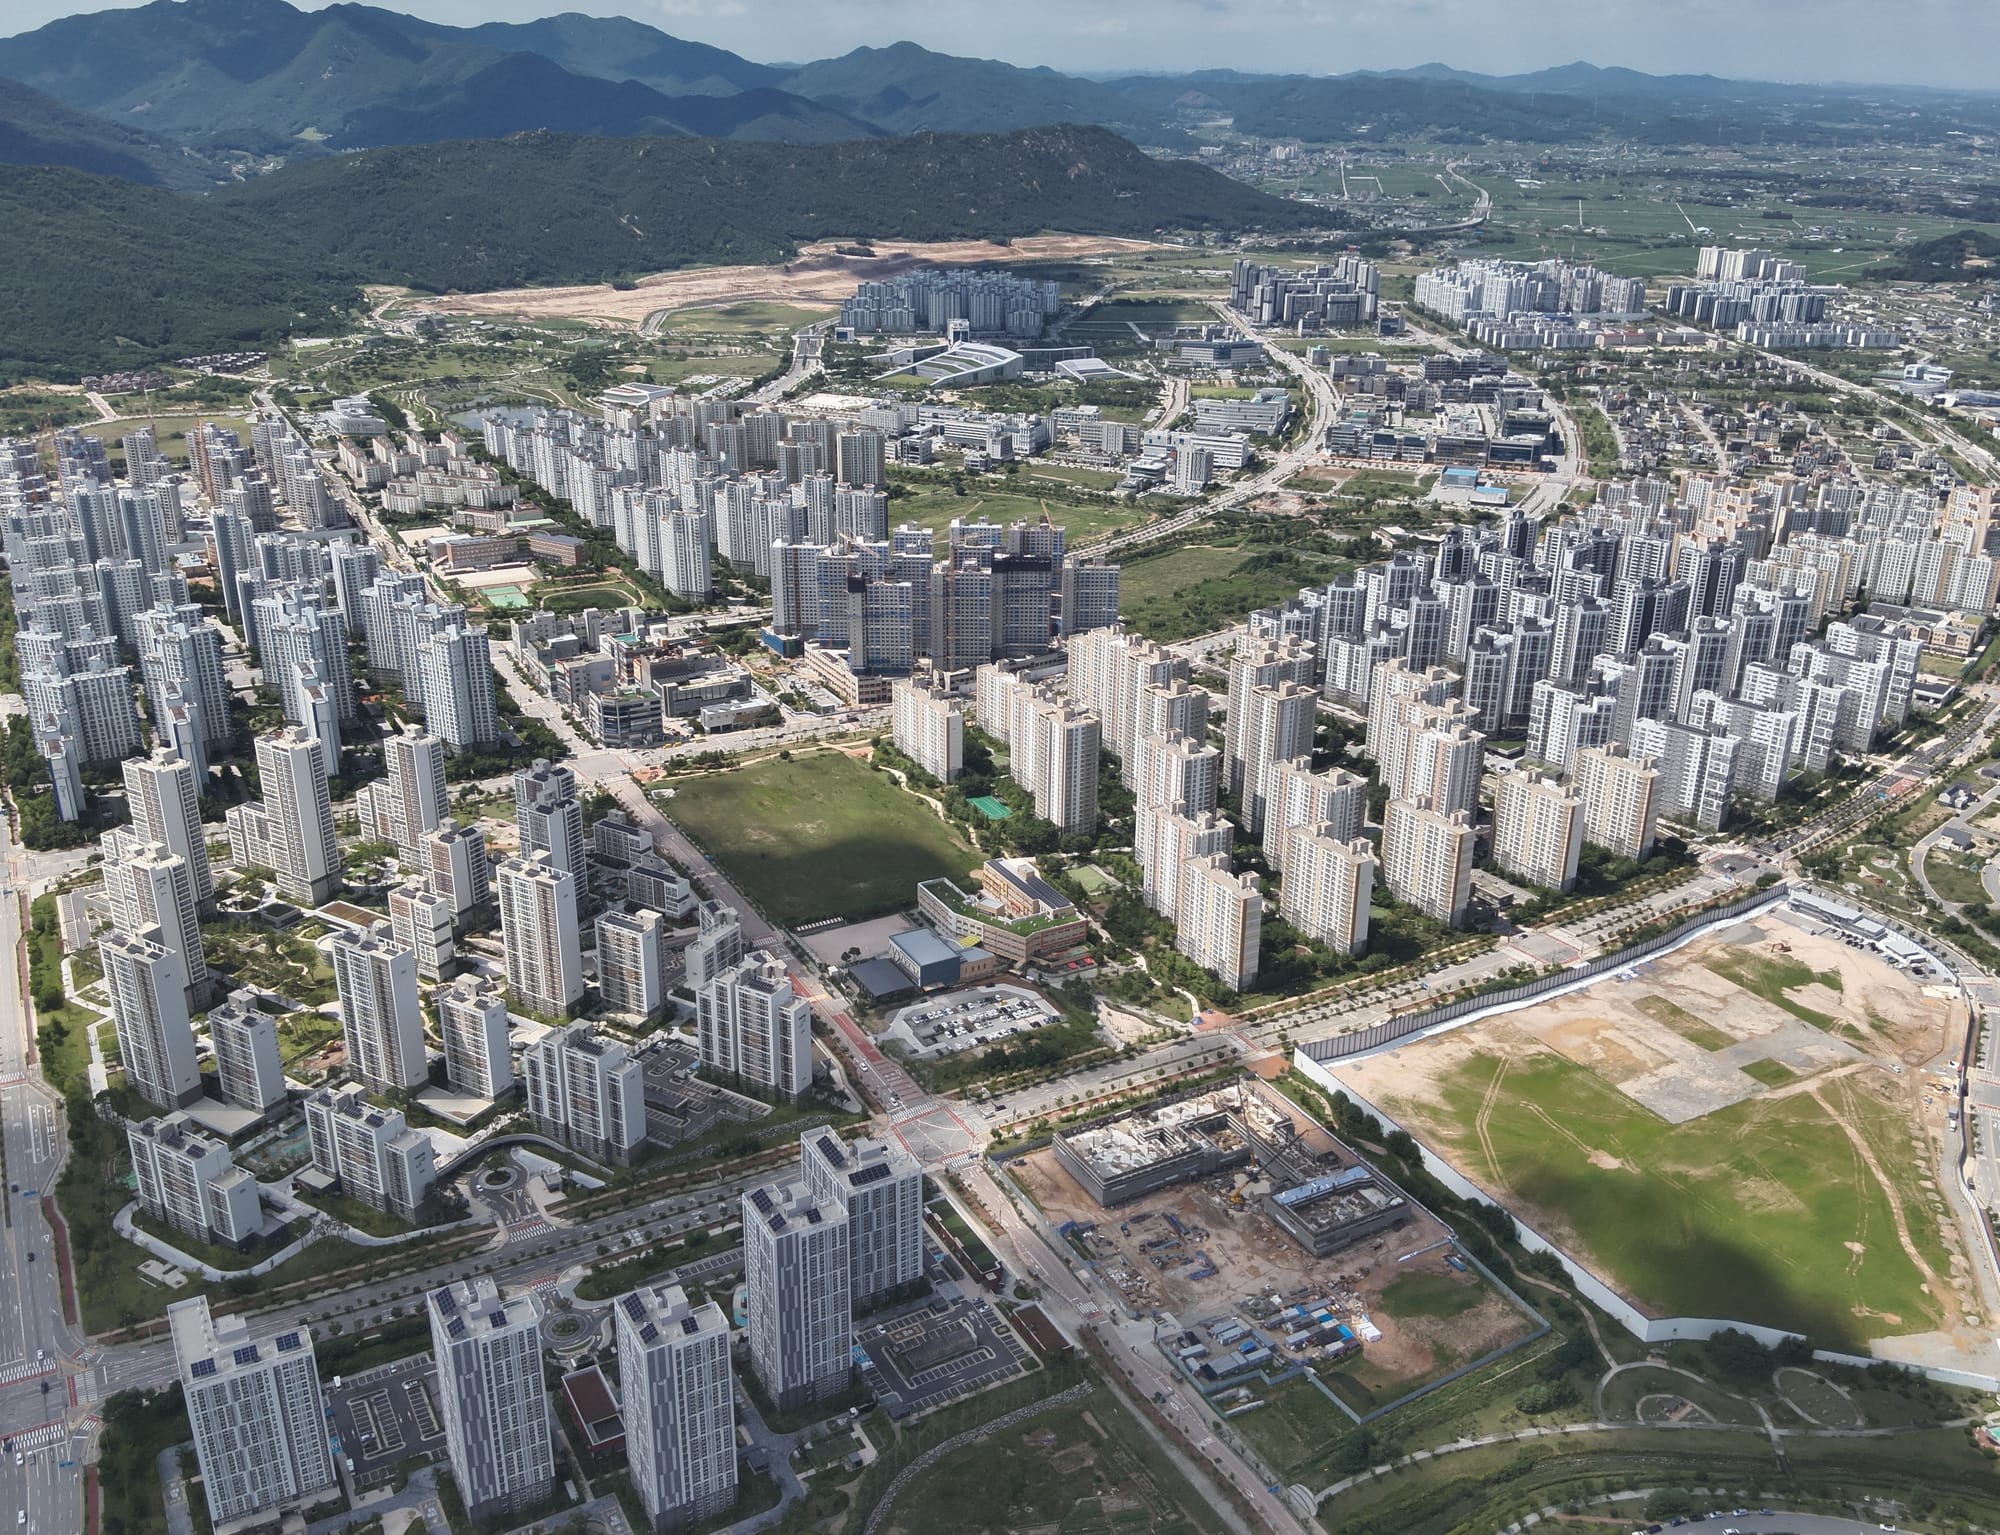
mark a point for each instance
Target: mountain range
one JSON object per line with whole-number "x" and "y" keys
{"x": 146, "y": 272}
{"x": 180, "y": 91}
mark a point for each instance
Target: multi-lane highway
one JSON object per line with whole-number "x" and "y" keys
{"x": 39, "y": 1475}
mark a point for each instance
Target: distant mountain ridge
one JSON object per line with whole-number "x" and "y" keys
{"x": 265, "y": 79}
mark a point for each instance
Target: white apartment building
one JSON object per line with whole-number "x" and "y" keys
{"x": 299, "y": 816}
{"x": 189, "y": 1180}
{"x": 754, "y": 1027}
{"x": 1537, "y": 829}
{"x": 716, "y": 946}
{"x": 420, "y": 920}
{"x": 1427, "y": 859}
{"x": 258, "y": 1417}
{"x": 1275, "y": 725}
{"x": 1620, "y": 794}
{"x": 149, "y": 887}
{"x": 586, "y": 1091}
{"x": 498, "y": 1436}
{"x": 410, "y": 800}
{"x": 1327, "y": 884}
{"x": 549, "y": 815}
{"x": 929, "y": 727}
{"x": 881, "y": 1186}
{"x": 1168, "y": 842}
{"x": 679, "y": 1403}
{"x": 148, "y": 990}
{"x": 1260, "y": 663}
{"x": 375, "y": 978}
{"x": 1294, "y": 796}
{"x": 457, "y": 868}
{"x": 1060, "y": 758}
{"x": 629, "y": 947}
{"x": 372, "y": 1154}
{"x": 164, "y": 794}
{"x": 796, "y": 1269}
{"x": 538, "y": 932}
{"x": 249, "y": 1072}
{"x": 1221, "y": 920}
{"x": 472, "y": 1024}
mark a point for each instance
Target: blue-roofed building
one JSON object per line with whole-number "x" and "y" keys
{"x": 925, "y": 958}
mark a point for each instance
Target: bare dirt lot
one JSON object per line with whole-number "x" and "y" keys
{"x": 816, "y": 274}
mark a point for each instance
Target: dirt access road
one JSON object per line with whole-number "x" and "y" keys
{"x": 818, "y": 273}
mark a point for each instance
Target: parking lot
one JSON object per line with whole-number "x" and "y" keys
{"x": 384, "y": 1416}
{"x": 964, "y": 1020}
{"x": 950, "y": 1348}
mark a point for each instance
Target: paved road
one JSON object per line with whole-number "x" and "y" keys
{"x": 36, "y": 1346}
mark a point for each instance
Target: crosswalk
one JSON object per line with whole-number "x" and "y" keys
{"x": 26, "y": 1369}
{"x": 35, "y": 1438}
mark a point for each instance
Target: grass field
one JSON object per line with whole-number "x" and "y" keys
{"x": 1684, "y": 1023}
{"x": 752, "y": 318}
{"x": 819, "y": 836}
{"x": 930, "y": 503}
{"x": 1200, "y": 587}
{"x": 1956, "y": 875}
{"x": 1086, "y": 1469}
{"x": 1754, "y": 1212}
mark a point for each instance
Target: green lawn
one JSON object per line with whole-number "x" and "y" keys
{"x": 1956, "y": 876}
{"x": 754, "y": 317}
{"x": 1775, "y": 980}
{"x": 1744, "y": 1213}
{"x": 1079, "y": 1469}
{"x": 819, "y": 836}
{"x": 1684, "y": 1023}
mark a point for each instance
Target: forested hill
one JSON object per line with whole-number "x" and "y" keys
{"x": 145, "y": 273}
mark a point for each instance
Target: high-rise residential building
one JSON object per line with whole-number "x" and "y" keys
{"x": 1393, "y": 690}
{"x": 1442, "y": 757}
{"x": 164, "y": 793}
{"x": 538, "y": 934}
{"x": 1175, "y": 769}
{"x": 148, "y": 989}
{"x": 754, "y": 1027}
{"x": 1537, "y": 829}
{"x": 550, "y": 815}
{"x": 376, "y": 979}
{"x": 1274, "y": 724}
{"x": 472, "y": 1025}
{"x": 716, "y": 946}
{"x": 1294, "y": 795}
{"x": 687, "y": 556}
{"x": 1620, "y": 795}
{"x": 1427, "y": 859}
{"x": 259, "y": 1420}
{"x": 149, "y": 887}
{"x": 586, "y": 1090}
{"x": 1167, "y": 840}
{"x": 495, "y": 1407}
{"x": 929, "y": 726}
{"x": 1060, "y": 759}
{"x": 456, "y": 867}
{"x": 1260, "y": 663}
{"x": 189, "y": 1180}
{"x": 796, "y": 1270}
{"x": 299, "y": 815}
{"x": 420, "y": 920}
{"x": 455, "y": 664}
{"x": 372, "y": 1154}
{"x": 1221, "y": 919}
{"x": 860, "y": 458}
{"x": 881, "y": 1186}
{"x": 629, "y": 949}
{"x": 680, "y": 1404}
{"x": 409, "y": 801}
{"x": 1089, "y": 596}
{"x": 1327, "y": 884}
{"x": 249, "y": 1072}
{"x": 1110, "y": 673}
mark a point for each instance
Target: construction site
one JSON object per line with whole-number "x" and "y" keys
{"x": 1233, "y": 1217}
{"x": 1750, "y": 1127}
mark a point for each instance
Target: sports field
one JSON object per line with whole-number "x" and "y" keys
{"x": 1722, "y": 1135}
{"x": 819, "y": 836}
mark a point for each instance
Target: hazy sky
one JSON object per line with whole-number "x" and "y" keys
{"x": 1928, "y": 42}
